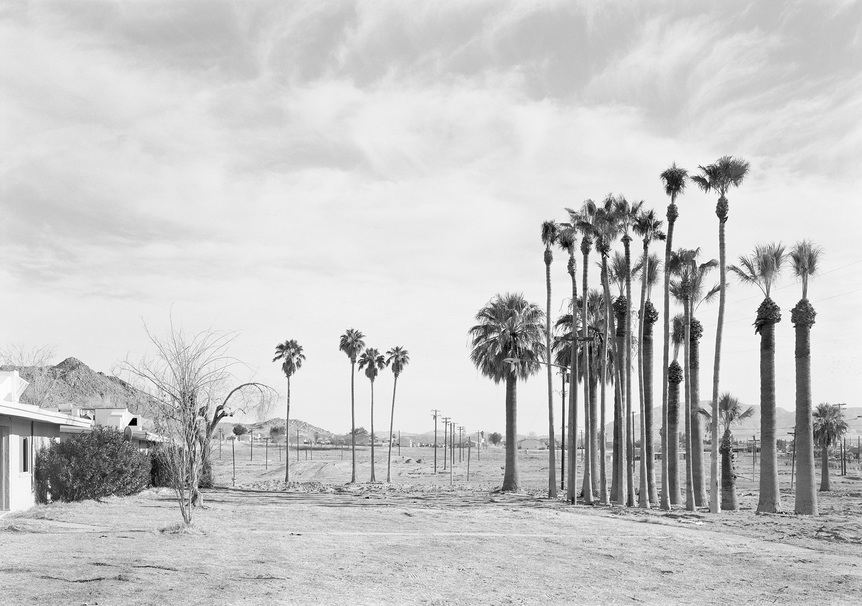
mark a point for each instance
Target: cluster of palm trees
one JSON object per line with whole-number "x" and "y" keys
{"x": 594, "y": 345}
{"x": 352, "y": 343}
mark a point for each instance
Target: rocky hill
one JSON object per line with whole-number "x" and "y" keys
{"x": 73, "y": 381}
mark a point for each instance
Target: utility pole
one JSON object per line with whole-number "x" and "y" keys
{"x": 399, "y": 442}
{"x": 251, "y": 443}
{"x": 460, "y": 444}
{"x": 793, "y": 459}
{"x": 434, "y": 412}
{"x": 469, "y": 449}
{"x": 452, "y": 449}
{"x": 233, "y": 454}
{"x": 753, "y": 456}
{"x": 220, "y": 440}
{"x": 843, "y": 442}
{"x": 266, "y": 453}
{"x": 478, "y": 446}
{"x": 445, "y": 442}
{"x": 297, "y": 444}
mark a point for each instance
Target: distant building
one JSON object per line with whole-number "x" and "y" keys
{"x": 531, "y": 444}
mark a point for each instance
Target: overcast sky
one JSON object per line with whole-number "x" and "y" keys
{"x": 294, "y": 169}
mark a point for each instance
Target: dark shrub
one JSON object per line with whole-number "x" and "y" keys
{"x": 160, "y": 471}
{"x": 90, "y": 466}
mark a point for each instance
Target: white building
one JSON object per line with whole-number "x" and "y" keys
{"x": 23, "y": 430}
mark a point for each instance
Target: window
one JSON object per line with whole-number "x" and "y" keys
{"x": 25, "y": 454}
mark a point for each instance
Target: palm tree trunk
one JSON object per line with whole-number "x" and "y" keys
{"x": 672, "y": 438}
{"x": 630, "y": 434}
{"x": 552, "y": 449}
{"x": 572, "y": 490}
{"x": 770, "y": 498}
{"x": 589, "y": 414}
{"x": 373, "y": 479}
{"x": 286, "y": 434}
{"x": 824, "y": 468}
{"x": 643, "y": 496}
{"x": 563, "y": 433}
{"x": 391, "y": 427}
{"x": 352, "y": 425}
{"x": 510, "y": 475}
{"x": 603, "y": 487}
{"x": 721, "y": 212}
{"x": 699, "y": 488}
{"x": 647, "y": 344}
{"x": 728, "y": 478}
{"x": 689, "y": 486}
{"x": 620, "y": 417}
{"x": 672, "y": 214}
{"x": 802, "y": 317}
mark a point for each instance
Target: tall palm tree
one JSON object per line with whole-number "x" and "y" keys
{"x": 550, "y": 232}
{"x": 804, "y": 258}
{"x": 351, "y": 343}
{"x": 724, "y": 173}
{"x": 607, "y": 230}
{"x": 584, "y": 221}
{"x": 684, "y": 266}
{"x": 762, "y": 269}
{"x": 627, "y": 213}
{"x": 507, "y": 346}
{"x": 373, "y": 362}
{"x": 674, "y": 378}
{"x": 674, "y": 180}
{"x": 730, "y": 412}
{"x": 647, "y": 225}
{"x": 291, "y": 356}
{"x": 396, "y": 358}
{"x": 829, "y": 427}
{"x": 567, "y": 240}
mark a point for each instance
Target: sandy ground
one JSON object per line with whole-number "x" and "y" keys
{"x": 420, "y": 541}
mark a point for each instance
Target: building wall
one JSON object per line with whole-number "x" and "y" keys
{"x": 25, "y": 438}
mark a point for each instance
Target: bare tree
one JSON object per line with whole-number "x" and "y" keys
{"x": 190, "y": 379}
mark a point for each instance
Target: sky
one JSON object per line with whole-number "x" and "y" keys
{"x": 289, "y": 170}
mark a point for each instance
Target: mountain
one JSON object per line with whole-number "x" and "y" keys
{"x": 73, "y": 381}
{"x": 307, "y": 431}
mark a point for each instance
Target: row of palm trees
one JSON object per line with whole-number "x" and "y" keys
{"x": 598, "y": 339}
{"x": 352, "y": 343}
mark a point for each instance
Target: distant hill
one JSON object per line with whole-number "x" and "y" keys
{"x": 307, "y": 431}
{"x": 73, "y": 381}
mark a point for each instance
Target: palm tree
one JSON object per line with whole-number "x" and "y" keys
{"x": 762, "y": 268}
{"x": 627, "y": 213}
{"x": 607, "y": 230}
{"x": 373, "y": 362}
{"x": 507, "y": 346}
{"x": 566, "y": 241}
{"x": 674, "y": 180}
{"x": 647, "y": 225}
{"x": 730, "y": 412}
{"x": 674, "y": 378}
{"x": 719, "y": 177}
{"x": 290, "y": 353}
{"x": 396, "y": 358}
{"x": 829, "y": 427}
{"x": 804, "y": 258}
{"x": 684, "y": 266}
{"x": 550, "y": 232}
{"x": 650, "y": 318}
{"x": 584, "y": 221}
{"x": 351, "y": 343}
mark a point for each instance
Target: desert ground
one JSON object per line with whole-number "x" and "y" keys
{"x": 424, "y": 539}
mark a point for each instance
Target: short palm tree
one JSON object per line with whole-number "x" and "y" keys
{"x": 648, "y": 226}
{"x": 373, "y": 362}
{"x": 674, "y": 180}
{"x": 719, "y": 177}
{"x": 674, "y": 378}
{"x": 291, "y": 356}
{"x": 730, "y": 412}
{"x": 396, "y": 358}
{"x": 762, "y": 269}
{"x": 650, "y": 318}
{"x": 550, "y": 233}
{"x": 351, "y": 343}
{"x": 507, "y": 346}
{"x": 829, "y": 427}
{"x": 804, "y": 257}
